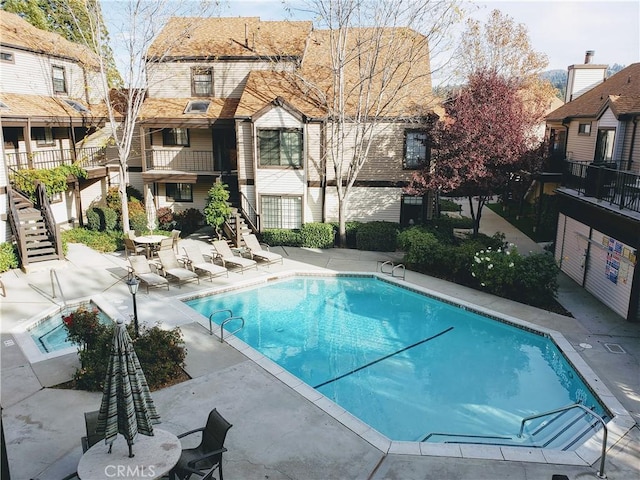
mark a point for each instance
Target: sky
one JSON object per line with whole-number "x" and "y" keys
{"x": 562, "y": 30}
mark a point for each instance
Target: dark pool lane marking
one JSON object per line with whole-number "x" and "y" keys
{"x": 383, "y": 358}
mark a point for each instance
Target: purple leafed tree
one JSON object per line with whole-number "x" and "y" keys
{"x": 481, "y": 142}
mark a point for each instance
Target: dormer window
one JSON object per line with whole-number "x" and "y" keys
{"x": 4, "y": 106}
{"x": 197, "y": 106}
{"x": 77, "y": 106}
{"x": 7, "y": 57}
{"x": 202, "y": 82}
{"x": 59, "y": 81}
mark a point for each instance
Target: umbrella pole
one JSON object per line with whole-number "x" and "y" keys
{"x": 131, "y": 454}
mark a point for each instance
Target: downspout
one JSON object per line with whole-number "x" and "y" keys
{"x": 633, "y": 141}
{"x": 323, "y": 172}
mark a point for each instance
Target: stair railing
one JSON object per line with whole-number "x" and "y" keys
{"x": 42, "y": 201}
{"x": 14, "y": 223}
{"x": 249, "y": 213}
{"x": 600, "y": 473}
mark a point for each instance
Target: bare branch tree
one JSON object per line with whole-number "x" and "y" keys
{"x": 141, "y": 21}
{"x": 375, "y": 72}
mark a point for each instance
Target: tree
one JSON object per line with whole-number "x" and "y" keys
{"x": 217, "y": 208}
{"x": 68, "y": 18}
{"x": 503, "y": 46}
{"x": 141, "y": 21}
{"x": 483, "y": 141}
{"x": 376, "y": 73}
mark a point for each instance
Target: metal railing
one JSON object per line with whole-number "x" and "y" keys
{"x": 42, "y": 203}
{"x": 186, "y": 161}
{"x": 601, "y": 473}
{"x": 617, "y": 187}
{"x": 249, "y": 213}
{"x": 46, "y": 159}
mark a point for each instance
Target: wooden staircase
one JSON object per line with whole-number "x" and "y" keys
{"x": 235, "y": 227}
{"x": 35, "y": 231}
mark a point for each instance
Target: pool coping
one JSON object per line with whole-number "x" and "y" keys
{"x": 28, "y": 345}
{"x": 586, "y": 454}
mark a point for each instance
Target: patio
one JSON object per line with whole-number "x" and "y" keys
{"x": 277, "y": 433}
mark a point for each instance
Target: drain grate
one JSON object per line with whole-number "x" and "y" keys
{"x": 614, "y": 348}
{"x": 9, "y": 343}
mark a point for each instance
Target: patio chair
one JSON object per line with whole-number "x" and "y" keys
{"x": 130, "y": 246}
{"x": 164, "y": 245}
{"x": 197, "y": 262}
{"x": 207, "y": 455}
{"x": 172, "y": 267}
{"x": 175, "y": 236}
{"x": 257, "y": 252}
{"x": 226, "y": 255}
{"x": 91, "y": 423}
{"x": 141, "y": 269}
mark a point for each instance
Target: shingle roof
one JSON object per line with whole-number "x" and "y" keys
{"x": 621, "y": 91}
{"x": 229, "y": 37}
{"x": 40, "y": 106}
{"x": 174, "y": 108}
{"x": 16, "y": 32}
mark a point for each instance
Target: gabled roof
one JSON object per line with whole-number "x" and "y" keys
{"x": 43, "y": 107}
{"x": 250, "y": 37}
{"x": 265, "y": 87}
{"x": 621, "y": 91}
{"x": 18, "y": 33}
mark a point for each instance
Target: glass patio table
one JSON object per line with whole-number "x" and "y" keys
{"x": 149, "y": 241}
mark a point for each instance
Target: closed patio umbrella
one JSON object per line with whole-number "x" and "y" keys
{"x": 150, "y": 208}
{"x": 127, "y": 407}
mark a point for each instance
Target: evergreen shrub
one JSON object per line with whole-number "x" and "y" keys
{"x": 377, "y": 236}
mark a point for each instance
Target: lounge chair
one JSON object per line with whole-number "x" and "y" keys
{"x": 208, "y": 455}
{"x": 141, "y": 268}
{"x": 130, "y": 246}
{"x": 171, "y": 266}
{"x": 226, "y": 255}
{"x": 197, "y": 262}
{"x": 91, "y": 423}
{"x": 175, "y": 236}
{"x": 164, "y": 245}
{"x": 257, "y": 252}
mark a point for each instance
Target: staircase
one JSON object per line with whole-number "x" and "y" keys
{"x": 35, "y": 231}
{"x": 235, "y": 227}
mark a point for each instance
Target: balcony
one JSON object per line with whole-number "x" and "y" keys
{"x": 619, "y": 188}
{"x": 47, "y": 159}
{"x": 183, "y": 161}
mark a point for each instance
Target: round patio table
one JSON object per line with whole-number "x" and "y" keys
{"x": 149, "y": 241}
{"x": 153, "y": 457}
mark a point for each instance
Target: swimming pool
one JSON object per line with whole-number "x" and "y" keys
{"x": 49, "y": 333}
{"x": 413, "y": 367}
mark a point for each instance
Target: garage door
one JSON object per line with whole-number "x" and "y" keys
{"x": 571, "y": 247}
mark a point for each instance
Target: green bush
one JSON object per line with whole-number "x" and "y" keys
{"x": 419, "y": 245}
{"x": 188, "y": 221}
{"x": 351, "y": 231}
{"x": 316, "y": 235}
{"x": 377, "y": 236}
{"x": 99, "y": 241}
{"x": 281, "y": 236}
{"x": 102, "y": 219}
{"x": 495, "y": 270}
{"x": 161, "y": 352}
{"x": 8, "y": 257}
{"x": 537, "y": 280}
{"x": 447, "y": 205}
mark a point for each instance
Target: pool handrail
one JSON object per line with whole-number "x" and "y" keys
{"x": 600, "y": 473}
{"x": 214, "y": 313}
{"x": 227, "y": 321}
{"x": 52, "y": 274}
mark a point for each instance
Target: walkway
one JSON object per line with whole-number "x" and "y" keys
{"x": 277, "y": 433}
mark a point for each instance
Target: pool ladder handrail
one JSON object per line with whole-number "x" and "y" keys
{"x": 394, "y": 267}
{"x": 224, "y": 322}
{"x": 53, "y": 274}
{"x": 600, "y": 472}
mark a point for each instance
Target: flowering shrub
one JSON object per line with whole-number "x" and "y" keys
{"x": 494, "y": 270}
{"x": 83, "y": 327}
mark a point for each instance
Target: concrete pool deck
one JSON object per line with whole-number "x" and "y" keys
{"x": 277, "y": 433}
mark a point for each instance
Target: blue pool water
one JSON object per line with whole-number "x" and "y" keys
{"x": 49, "y": 333}
{"x": 403, "y": 362}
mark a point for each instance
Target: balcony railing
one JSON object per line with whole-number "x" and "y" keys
{"x": 617, "y": 187}
{"x": 46, "y": 159}
{"x": 185, "y": 161}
